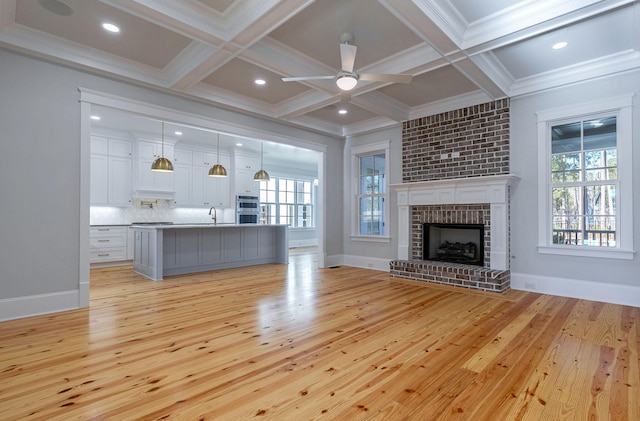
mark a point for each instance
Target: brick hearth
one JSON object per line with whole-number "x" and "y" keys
{"x": 466, "y": 276}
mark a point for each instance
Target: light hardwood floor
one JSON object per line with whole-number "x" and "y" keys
{"x": 293, "y": 342}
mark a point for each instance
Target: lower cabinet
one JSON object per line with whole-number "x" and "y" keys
{"x": 108, "y": 244}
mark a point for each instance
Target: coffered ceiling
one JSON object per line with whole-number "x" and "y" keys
{"x": 460, "y": 52}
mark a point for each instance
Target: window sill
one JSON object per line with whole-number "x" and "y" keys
{"x": 588, "y": 252}
{"x": 371, "y": 238}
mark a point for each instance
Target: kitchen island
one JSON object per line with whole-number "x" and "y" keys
{"x": 176, "y": 249}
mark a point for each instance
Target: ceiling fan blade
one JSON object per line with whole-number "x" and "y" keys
{"x": 348, "y": 56}
{"x": 385, "y": 78}
{"x": 298, "y": 78}
{"x": 345, "y": 96}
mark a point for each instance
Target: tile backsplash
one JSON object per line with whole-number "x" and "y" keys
{"x": 159, "y": 212}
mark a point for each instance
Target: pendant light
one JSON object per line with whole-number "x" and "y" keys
{"x": 218, "y": 170}
{"x": 261, "y": 175}
{"x": 162, "y": 164}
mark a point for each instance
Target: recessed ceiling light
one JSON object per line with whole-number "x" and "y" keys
{"x": 111, "y": 27}
{"x": 559, "y": 45}
{"x": 260, "y": 81}
{"x": 238, "y": 144}
{"x": 57, "y": 7}
{"x": 95, "y": 117}
{"x": 342, "y": 111}
{"x": 177, "y": 133}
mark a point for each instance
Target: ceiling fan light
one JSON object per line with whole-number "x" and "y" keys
{"x": 346, "y": 82}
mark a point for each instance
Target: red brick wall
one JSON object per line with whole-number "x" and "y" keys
{"x": 478, "y": 134}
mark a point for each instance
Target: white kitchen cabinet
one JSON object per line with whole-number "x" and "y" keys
{"x": 183, "y": 185}
{"x": 100, "y": 145}
{"x": 194, "y": 187}
{"x": 182, "y": 156}
{"x": 216, "y": 189}
{"x": 247, "y": 162}
{"x": 110, "y": 171}
{"x": 207, "y": 159}
{"x": 146, "y": 179}
{"x": 121, "y": 148}
{"x": 119, "y": 181}
{"x": 153, "y": 180}
{"x": 108, "y": 244}
{"x": 246, "y": 167}
{"x": 99, "y": 184}
{"x": 245, "y": 184}
{"x": 151, "y": 150}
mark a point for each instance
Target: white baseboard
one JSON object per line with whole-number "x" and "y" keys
{"x": 303, "y": 243}
{"x": 335, "y": 260}
{"x": 574, "y": 288}
{"x": 366, "y": 262}
{"x": 34, "y": 305}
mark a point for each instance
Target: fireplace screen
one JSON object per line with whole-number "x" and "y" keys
{"x": 453, "y": 243}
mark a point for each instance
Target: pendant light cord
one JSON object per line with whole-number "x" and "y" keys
{"x": 162, "y": 153}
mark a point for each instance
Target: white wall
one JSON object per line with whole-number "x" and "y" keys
{"x": 40, "y": 184}
{"x": 373, "y": 255}
{"x": 592, "y": 278}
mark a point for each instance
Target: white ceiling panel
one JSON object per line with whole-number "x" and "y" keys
{"x": 213, "y": 50}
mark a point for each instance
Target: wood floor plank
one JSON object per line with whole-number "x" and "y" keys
{"x": 294, "y": 342}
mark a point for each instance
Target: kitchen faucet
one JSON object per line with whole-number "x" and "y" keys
{"x": 214, "y": 215}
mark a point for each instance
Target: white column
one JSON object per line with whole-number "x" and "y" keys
{"x": 499, "y": 231}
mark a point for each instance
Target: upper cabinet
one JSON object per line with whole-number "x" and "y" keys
{"x": 111, "y": 170}
{"x": 119, "y": 166}
{"x": 246, "y": 167}
{"x": 192, "y": 184}
{"x": 148, "y": 152}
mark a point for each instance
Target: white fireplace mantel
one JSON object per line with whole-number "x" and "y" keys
{"x": 493, "y": 190}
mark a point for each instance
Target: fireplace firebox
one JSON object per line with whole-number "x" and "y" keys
{"x": 453, "y": 243}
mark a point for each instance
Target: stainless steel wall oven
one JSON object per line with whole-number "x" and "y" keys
{"x": 247, "y": 209}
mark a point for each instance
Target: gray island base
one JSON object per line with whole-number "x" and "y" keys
{"x": 164, "y": 250}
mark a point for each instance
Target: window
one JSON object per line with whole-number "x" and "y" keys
{"x": 584, "y": 180}
{"x": 585, "y": 192}
{"x": 287, "y": 201}
{"x": 372, "y": 193}
{"x": 369, "y": 166}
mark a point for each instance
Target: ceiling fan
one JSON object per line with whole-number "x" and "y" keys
{"x": 346, "y": 78}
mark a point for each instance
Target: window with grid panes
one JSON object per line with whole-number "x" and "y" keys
{"x": 585, "y": 202}
{"x": 584, "y": 180}
{"x": 372, "y": 194}
{"x": 287, "y": 201}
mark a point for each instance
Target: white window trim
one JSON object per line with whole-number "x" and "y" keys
{"x": 314, "y": 196}
{"x": 622, "y": 108}
{"x": 356, "y": 153}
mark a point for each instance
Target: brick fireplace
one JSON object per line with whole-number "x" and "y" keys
{"x": 456, "y": 171}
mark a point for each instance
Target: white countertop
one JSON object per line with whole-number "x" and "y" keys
{"x": 203, "y": 225}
